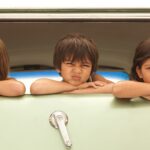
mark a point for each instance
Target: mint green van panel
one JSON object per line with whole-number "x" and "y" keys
{"x": 96, "y": 122}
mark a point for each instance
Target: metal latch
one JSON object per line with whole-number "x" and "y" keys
{"x": 59, "y": 120}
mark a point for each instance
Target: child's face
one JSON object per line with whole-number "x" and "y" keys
{"x": 144, "y": 71}
{"x": 75, "y": 73}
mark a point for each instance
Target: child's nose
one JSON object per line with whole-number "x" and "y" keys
{"x": 77, "y": 69}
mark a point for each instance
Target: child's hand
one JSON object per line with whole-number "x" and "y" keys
{"x": 100, "y": 83}
{"x": 87, "y": 85}
{"x": 146, "y": 97}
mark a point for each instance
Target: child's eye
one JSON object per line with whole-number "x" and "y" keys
{"x": 147, "y": 67}
{"x": 85, "y": 65}
{"x": 69, "y": 63}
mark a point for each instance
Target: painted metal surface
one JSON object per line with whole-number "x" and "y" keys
{"x": 95, "y": 122}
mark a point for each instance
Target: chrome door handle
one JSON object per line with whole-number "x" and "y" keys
{"x": 59, "y": 120}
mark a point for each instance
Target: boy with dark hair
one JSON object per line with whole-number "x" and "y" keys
{"x": 75, "y": 58}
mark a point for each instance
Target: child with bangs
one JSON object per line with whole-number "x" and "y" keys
{"x": 75, "y": 58}
{"x": 8, "y": 86}
{"x": 140, "y": 75}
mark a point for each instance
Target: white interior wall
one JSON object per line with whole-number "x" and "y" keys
{"x": 33, "y": 42}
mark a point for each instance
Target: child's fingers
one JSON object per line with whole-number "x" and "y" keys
{"x": 83, "y": 86}
{"x": 87, "y": 84}
{"x": 92, "y": 84}
{"x": 100, "y": 83}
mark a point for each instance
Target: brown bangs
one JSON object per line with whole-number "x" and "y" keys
{"x": 76, "y": 55}
{"x": 75, "y": 47}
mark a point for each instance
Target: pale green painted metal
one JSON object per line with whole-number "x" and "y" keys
{"x": 96, "y": 122}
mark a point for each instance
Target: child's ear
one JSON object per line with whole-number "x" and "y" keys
{"x": 139, "y": 73}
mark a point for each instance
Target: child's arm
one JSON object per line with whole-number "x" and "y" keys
{"x": 106, "y": 89}
{"x": 131, "y": 89}
{"x": 11, "y": 87}
{"x": 48, "y": 86}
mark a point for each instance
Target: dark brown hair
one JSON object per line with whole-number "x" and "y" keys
{"x": 142, "y": 53}
{"x": 4, "y": 61}
{"x": 75, "y": 47}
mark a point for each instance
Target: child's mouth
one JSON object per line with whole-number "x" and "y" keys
{"x": 76, "y": 78}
